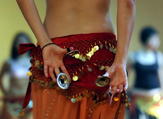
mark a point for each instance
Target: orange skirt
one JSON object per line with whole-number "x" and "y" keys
{"x": 50, "y": 104}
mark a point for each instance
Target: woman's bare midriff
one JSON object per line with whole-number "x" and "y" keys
{"x": 67, "y": 17}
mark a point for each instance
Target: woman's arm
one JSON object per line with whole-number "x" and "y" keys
{"x": 5, "y": 69}
{"x": 125, "y": 22}
{"x": 31, "y": 15}
{"x": 53, "y": 54}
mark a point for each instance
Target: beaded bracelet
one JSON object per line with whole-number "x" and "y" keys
{"x": 47, "y": 45}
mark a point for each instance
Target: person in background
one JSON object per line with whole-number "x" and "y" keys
{"x": 146, "y": 62}
{"x": 16, "y": 67}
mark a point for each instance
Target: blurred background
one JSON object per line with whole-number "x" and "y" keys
{"x": 149, "y": 13}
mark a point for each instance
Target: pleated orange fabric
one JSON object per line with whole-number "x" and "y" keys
{"x": 49, "y": 104}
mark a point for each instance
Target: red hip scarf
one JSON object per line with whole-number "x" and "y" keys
{"x": 96, "y": 50}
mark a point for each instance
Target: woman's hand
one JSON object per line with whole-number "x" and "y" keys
{"x": 118, "y": 75}
{"x": 53, "y": 61}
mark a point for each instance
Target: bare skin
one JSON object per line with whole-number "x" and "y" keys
{"x": 65, "y": 17}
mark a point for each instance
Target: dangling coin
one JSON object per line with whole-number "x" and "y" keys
{"x": 116, "y": 99}
{"x": 96, "y": 47}
{"x": 102, "y": 67}
{"x": 77, "y": 56}
{"x": 102, "y": 81}
{"x": 29, "y": 73}
{"x": 73, "y": 100}
{"x": 37, "y": 63}
{"x": 75, "y": 78}
{"x": 63, "y": 81}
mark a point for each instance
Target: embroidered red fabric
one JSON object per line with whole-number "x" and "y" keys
{"x": 82, "y": 42}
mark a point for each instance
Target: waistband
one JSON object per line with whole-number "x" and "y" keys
{"x": 83, "y": 36}
{"x": 85, "y": 41}
{"x": 63, "y": 40}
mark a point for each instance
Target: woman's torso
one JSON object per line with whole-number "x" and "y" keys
{"x": 66, "y": 17}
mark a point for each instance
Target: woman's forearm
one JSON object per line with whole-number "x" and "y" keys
{"x": 5, "y": 69}
{"x": 125, "y": 23}
{"x": 32, "y": 17}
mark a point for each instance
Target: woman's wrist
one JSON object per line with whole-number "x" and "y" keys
{"x": 44, "y": 42}
{"x": 46, "y": 45}
{"x": 120, "y": 61}
{"x": 120, "y": 65}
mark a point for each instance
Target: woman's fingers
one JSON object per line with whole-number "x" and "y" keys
{"x": 117, "y": 88}
{"x": 46, "y": 70}
{"x": 54, "y": 71}
{"x": 51, "y": 72}
{"x": 114, "y": 89}
{"x": 120, "y": 87}
{"x": 125, "y": 86}
{"x": 63, "y": 68}
{"x": 57, "y": 71}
